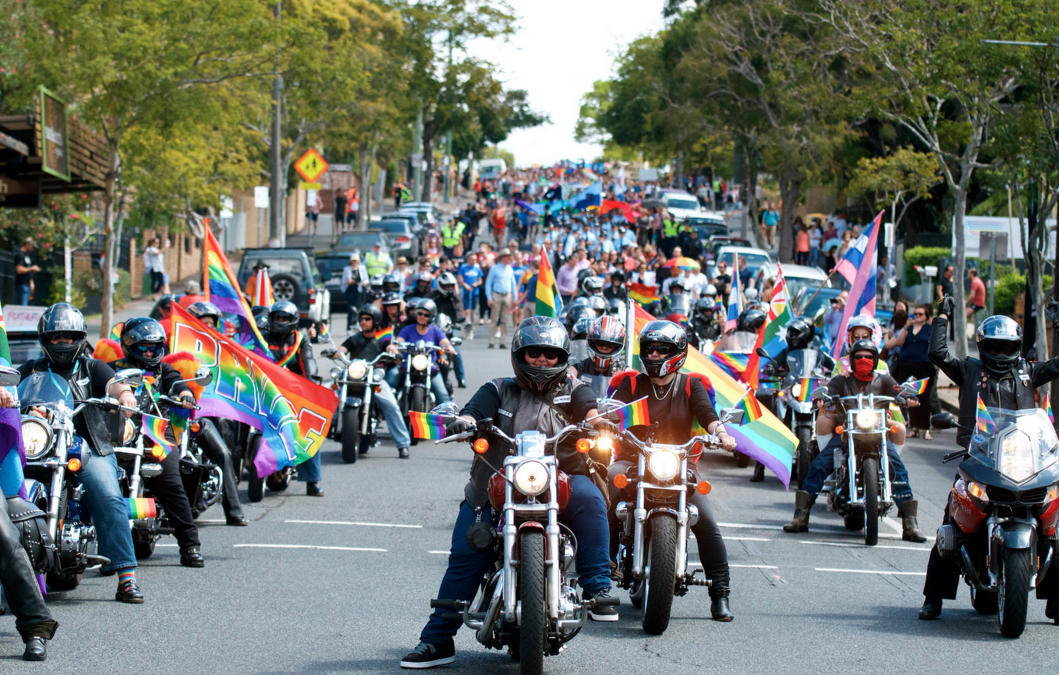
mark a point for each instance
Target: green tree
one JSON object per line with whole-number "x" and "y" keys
{"x": 898, "y": 179}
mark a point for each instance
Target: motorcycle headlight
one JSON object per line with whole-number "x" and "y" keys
{"x": 977, "y": 491}
{"x": 796, "y": 390}
{"x": 129, "y": 434}
{"x": 36, "y": 437}
{"x": 531, "y": 478}
{"x": 867, "y": 419}
{"x": 357, "y": 370}
{"x": 420, "y": 362}
{"x": 663, "y": 464}
{"x": 1016, "y": 457}
{"x": 605, "y": 443}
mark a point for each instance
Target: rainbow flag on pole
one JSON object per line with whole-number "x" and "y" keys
{"x": 548, "y": 301}
{"x": 751, "y": 407}
{"x": 645, "y": 295}
{"x": 983, "y": 421}
{"x": 1048, "y": 408}
{"x": 219, "y": 287}
{"x": 634, "y": 414}
{"x": 921, "y": 386}
{"x": 384, "y": 334}
{"x": 153, "y": 428}
{"x": 427, "y": 426}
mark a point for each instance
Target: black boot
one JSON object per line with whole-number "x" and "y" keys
{"x": 1051, "y": 610}
{"x": 803, "y": 503}
{"x": 909, "y": 528}
{"x": 210, "y": 440}
{"x": 759, "y": 474}
{"x": 931, "y": 609}
{"x": 314, "y": 490}
{"x": 719, "y": 591}
{"x": 720, "y": 611}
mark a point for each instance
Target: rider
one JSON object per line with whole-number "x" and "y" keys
{"x": 423, "y": 329}
{"x": 364, "y": 345}
{"x": 539, "y": 397}
{"x": 393, "y": 312}
{"x": 288, "y": 349}
{"x": 421, "y": 287}
{"x": 144, "y": 347}
{"x": 606, "y": 341}
{"x": 616, "y": 290}
{"x": 447, "y": 298}
{"x": 143, "y": 344}
{"x": 1003, "y": 379}
{"x": 62, "y": 334}
{"x": 865, "y": 379}
{"x": 677, "y": 401}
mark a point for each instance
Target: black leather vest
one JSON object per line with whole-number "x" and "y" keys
{"x": 1015, "y": 388}
{"x": 95, "y": 418}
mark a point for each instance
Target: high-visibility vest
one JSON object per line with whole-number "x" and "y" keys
{"x": 376, "y": 264}
{"x": 450, "y": 238}
{"x": 669, "y": 229}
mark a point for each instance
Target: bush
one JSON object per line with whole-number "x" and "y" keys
{"x": 88, "y": 282}
{"x": 1009, "y": 285}
{"x": 923, "y": 256}
{"x": 57, "y": 291}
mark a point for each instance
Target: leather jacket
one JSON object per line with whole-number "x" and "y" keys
{"x": 303, "y": 362}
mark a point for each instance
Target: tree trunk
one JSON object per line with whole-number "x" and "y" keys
{"x": 790, "y": 192}
{"x": 365, "y": 201}
{"x": 365, "y": 176}
{"x": 428, "y": 171}
{"x": 960, "y": 320}
{"x": 676, "y": 177}
{"x": 751, "y": 179}
{"x": 107, "y": 269}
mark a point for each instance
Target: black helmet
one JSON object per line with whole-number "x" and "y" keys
{"x": 165, "y": 302}
{"x": 374, "y": 312}
{"x": 392, "y": 299}
{"x": 569, "y": 315}
{"x": 545, "y": 332}
{"x": 800, "y": 333}
{"x": 665, "y": 334}
{"x": 447, "y": 282}
{"x": 865, "y": 346}
{"x": 751, "y": 320}
{"x": 999, "y": 341}
{"x": 615, "y": 306}
{"x": 427, "y": 305}
{"x": 391, "y": 282}
{"x": 584, "y": 274}
{"x": 677, "y": 282}
{"x": 592, "y": 285}
{"x": 617, "y": 275}
{"x": 143, "y": 341}
{"x": 597, "y": 304}
{"x": 202, "y": 309}
{"x": 282, "y": 318}
{"x": 259, "y": 311}
{"x": 65, "y": 320}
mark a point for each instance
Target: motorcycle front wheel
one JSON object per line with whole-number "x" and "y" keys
{"x": 255, "y": 485}
{"x": 533, "y": 628}
{"x": 742, "y": 461}
{"x": 350, "y": 435}
{"x": 143, "y": 548}
{"x": 869, "y": 475}
{"x": 1013, "y": 596}
{"x": 661, "y": 577}
{"x": 805, "y": 436}
{"x": 417, "y": 403}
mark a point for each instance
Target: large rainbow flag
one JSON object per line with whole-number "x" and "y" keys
{"x": 548, "y": 301}
{"x": 766, "y": 438}
{"x": 643, "y": 294}
{"x": 734, "y": 364}
{"x": 219, "y": 286}
{"x": 12, "y": 452}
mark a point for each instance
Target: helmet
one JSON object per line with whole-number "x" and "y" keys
{"x": 710, "y": 290}
{"x": 539, "y": 331}
{"x": 579, "y": 300}
{"x": 445, "y": 324}
{"x": 592, "y": 285}
{"x": 617, "y": 275}
{"x": 424, "y": 277}
{"x": 392, "y": 298}
{"x": 569, "y": 315}
{"x": 615, "y": 306}
{"x": 259, "y": 311}
{"x": 391, "y": 282}
{"x": 143, "y": 341}
{"x": 670, "y": 335}
{"x": 584, "y": 274}
{"x": 282, "y": 318}
{"x": 751, "y": 295}
{"x": 999, "y": 341}
{"x": 261, "y": 322}
{"x": 427, "y": 305}
{"x": 677, "y": 282}
{"x": 705, "y": 305}
{"x": 864, "y": 321}
{"x": 204, "y": 309}
{"x": 447, "y": 282}
{"x": 66, "y": 320}
{"x": 606, "y": 331}
{"x": 865, "y": 346}
{"x": 598, "y": 304}
{"x": 800, "y": 333}
{"x": 376, "y": 283}
{"x": 750, "y": 320}
{"x": 374, "y": 312}
{"x": 581, "y": 328}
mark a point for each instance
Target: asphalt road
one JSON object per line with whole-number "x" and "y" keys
{"x": 342, "y": 584}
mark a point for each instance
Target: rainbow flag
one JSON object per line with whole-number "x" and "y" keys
{"x": 733, "y": 364}
{"x": 634, "y": 414}
{"x": 806, "y": 389}
{"x": 384, "y": 334}
{"x": 983, "y": 421}
{"x": 325, "y": 329}
{"x": 751, "y": 407}
{"x": 645, "y": 295}
{"x": 115, "y": 331}
{"x": 921, "y": 386}
{"x": 766, "y": 438}
{"x": 426, "y": 425}
{"x": 548, "y": 301}
{"x": 1048, "y": 408}
{"x": 141, "y": 508}
{"x": 153, "y": 428}
{"x": 219, "y": 287}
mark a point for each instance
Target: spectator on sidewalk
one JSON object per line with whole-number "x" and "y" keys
{"x": 24, "y": 271}
{"x": 154, "y": 264}
{"x": 976, "y": 298}
{"x": 192, "y": 294}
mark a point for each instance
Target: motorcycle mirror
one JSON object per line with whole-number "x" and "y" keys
{"x": 203, "y": 376}
{"x": 819, "y": 394}
{"x": 9, "y": 377}
{"x": 762, "y": 353}
{"x": 456, "y": 342}
{"x": 130, "y": 376}
{"x": 944, "y": 420}
{"x": 733, "y": 415}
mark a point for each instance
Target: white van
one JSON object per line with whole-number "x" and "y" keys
{"x": 490, "y": 169}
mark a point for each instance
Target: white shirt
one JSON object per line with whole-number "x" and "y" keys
{"x": 153, "y": 260}
{"x": 350, "y": 276}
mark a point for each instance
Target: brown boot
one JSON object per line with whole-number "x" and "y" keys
{"x": 909, "y": 528}
{"x": 803, "y": 502}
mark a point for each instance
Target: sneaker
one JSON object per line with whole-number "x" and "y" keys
{"x": 426, "y": 655}
{"x": 602, "y": 612}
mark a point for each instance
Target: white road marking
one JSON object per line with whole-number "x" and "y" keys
{"x": 320, "y": 548}
{"x": 439, "y": 552}
{"x": 748, "y": 526}
{"x": 166, "y": 545}
{"x": 746, "y": 539}
{"x": 348, "y": 522}
{"x": 894, "y": 524}
{"x": 214, "y": 521}
{"x": 816, "y": 528}
{"x": 853, "y": 545}
{"x": 755, "y": 567}
{"x": 903, "y": 574}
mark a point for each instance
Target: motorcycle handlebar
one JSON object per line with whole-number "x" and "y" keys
{"x": 178, "y": 402}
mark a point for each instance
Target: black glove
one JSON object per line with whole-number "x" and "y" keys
{"x": 457, "y": 426}
{"x": 947, "y": 307}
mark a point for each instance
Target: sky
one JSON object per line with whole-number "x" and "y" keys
{"x": 560, "y": 48}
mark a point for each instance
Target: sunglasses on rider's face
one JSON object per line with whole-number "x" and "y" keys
{"x": 425, "y": 315}
{"x": 660, "y": 350}
{"x": 863, "y": 357}
{"x": 537, "y": 352}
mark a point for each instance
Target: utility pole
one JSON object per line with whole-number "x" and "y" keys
{"x": 277, "y": 219}
{"x": 417, "y": 157}
{"x": 446, "y": 198}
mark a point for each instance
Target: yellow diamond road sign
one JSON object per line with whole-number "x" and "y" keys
{"x": 311, "y": 166}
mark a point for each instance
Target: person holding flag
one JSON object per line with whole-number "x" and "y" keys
{"x": 679, "y": 400}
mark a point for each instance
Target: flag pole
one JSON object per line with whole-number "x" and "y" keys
{"x": 813, "y": 297}
{"x": 630, "y": 326}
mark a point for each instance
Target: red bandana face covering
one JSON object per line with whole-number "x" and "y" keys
{"x": 862, "y": 369}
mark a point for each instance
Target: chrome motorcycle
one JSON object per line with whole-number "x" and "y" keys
{"x": 356, "y": 382}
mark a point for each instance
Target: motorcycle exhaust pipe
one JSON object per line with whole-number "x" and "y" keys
{"x": 971, "y": 572}
{"x": 1045, "y": 566}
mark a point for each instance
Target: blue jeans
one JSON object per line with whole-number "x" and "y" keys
{"x": 310, "y": 471}
{"x": 457, "y": 365}
{"x": 824, "y": 464}
{"x": 585, "y": 515}
{"x": 22, "y": 295}
{"x": 437, "y": 385}
{"x": 387, "y": 403}
{"x": 109, "y": 511}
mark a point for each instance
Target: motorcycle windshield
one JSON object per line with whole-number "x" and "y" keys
{"x": 802, "y": 363}
{"x": 1019, "y": 443}
{"x": 598, "y": 384}
{"x": 45, "y": 390}
{"x": 679, "y": 304}
{"x": 740, "y": 342}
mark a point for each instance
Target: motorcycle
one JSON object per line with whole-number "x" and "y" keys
{"x": 527, "y": 603}
{"x": 54, "y": 456}
{"x": 277, "y": 481}
{"x": 418, "y": 370}
{"x": 356, "y": 383}
{"x": 859, "y": 488}
{"x": 448, "y": 372}
{"x": 653, "y": 536}
{"x": 1008, "y": 482}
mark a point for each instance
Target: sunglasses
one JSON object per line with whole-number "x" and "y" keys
{"x": 660, "y": 350}
{"x": 148, "y": 350}
{"x": 366, "y": 318}
{"x": 65, "y": 335}
{"x": 919, "y": 314}
{"x": 425, "y": 315}
{"x": 863, "y": 357}
{"x": 537, "y": 352}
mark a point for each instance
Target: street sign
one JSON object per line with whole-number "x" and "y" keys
{"x": 261, "y": 197}
{"x": 310, "y": 186}
{"x": 416, "y": 158}
{"x": 985, "y": 245}
{"x": 20, "y": 193}
{"x": 55, "y": 147}
{"x": 311, "y": 166}
{"x": 341, "y": 167}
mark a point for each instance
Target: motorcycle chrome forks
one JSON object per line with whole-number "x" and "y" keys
{"x": 640, "y": 515}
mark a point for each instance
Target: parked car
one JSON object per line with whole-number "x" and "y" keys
{"x": 708, "y": 225}
{"x": 755, "y": 259}
{"x": 362, "y": 242}
{"x": 424, "y": 219}
{"x": 715, "y": 242}
{"x": 400, "y": 236}
{"x": 682, "y": 205}
{"x": 413, "y": 219}
{"x": 331, "y": 266}
{"x": 797, "y": 276}
{"x": 294, "y": 277}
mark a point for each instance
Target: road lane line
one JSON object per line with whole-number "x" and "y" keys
{"x": 842, "y": 544}
{"x": 754, "y": 567}
{"x": 749, "y": 526}
{"x": 894, "y": 524}
{"x": 439, "y": 552}
{"x": 900, "y": 574}
{"x": 349, "y": 522}
{"x": 830, "y": 530}
{"x": 746, "y": 539}
{"x": 321, "y": 548}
